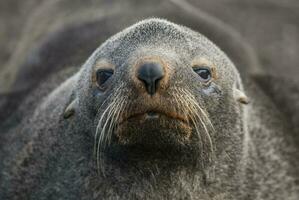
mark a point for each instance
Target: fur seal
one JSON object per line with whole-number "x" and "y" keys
{"x": 58, "y": 43}
{"x": 156, "y": 112}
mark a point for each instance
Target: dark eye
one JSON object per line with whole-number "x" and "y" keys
{"x": 103, "y": 75}
{"x": 204, "y": 73}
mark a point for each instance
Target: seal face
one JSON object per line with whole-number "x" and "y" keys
{"x": 161, "y": 105}
{"x": 159, "y": 87}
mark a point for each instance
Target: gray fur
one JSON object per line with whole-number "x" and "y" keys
{"x": 55, "y": 43}
{"x": 254, "y": 159}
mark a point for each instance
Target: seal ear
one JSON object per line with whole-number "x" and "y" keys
{"x": 71, "y": 109}
{"x": 240, "y": 96}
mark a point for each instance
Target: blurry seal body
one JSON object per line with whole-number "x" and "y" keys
{"x": 156, "y": 112}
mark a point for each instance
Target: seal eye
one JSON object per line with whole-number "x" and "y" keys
{"x": 103, "y": 75}
{"x": 204, "y": 73}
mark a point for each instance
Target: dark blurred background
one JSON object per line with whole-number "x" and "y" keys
{"x": 271, "y": 26}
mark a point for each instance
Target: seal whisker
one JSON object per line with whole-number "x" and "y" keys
{"x": 202, "y": 121}
{"x": 203, "y": 112}
{"x": 104, "y": 102}
{"x": 186, "y": 104}
{"x": 100, "y": 123}
{"x": 108, "y": 125}
{"x": 104, "y": 125}
{"x": 103, "y": 122}
{"x": 177, "y": 102}
{"x": 101, "y": 119}
{"x": 193, "y": 120}
{"x": 101, "y": 137}
{"x": 195, "y": 109}
{"x": 118, "y": 110}
{"x": 206, "y": 118}
{"x": 111, "y": 112}
{"x": 102, "y": 144}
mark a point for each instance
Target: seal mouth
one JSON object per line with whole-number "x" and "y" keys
{"x": 154, "y": 115}
{"x": 154, "y": 128}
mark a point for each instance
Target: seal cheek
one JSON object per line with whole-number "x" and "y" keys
{"x": 212, "y": 89}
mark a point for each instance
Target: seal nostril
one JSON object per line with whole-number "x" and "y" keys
{"x": 150, "y": 74}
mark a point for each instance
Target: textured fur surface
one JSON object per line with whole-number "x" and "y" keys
{"x": 57, "y": 45}
{"x": 47, "y": 157}
{"x": 52, "y": 157}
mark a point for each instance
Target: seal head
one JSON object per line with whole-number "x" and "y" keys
{"x": 159, "y": 89}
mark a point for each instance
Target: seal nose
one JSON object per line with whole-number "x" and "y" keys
{"x": 150, "y": 74}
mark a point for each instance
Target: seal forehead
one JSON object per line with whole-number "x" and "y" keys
{"x": 150, "y": 35}
{"x": 153, "y": 27}
{"x": 152, "y": 32}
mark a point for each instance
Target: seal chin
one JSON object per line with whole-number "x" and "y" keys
{"x": 154, "y": 128}
{"x": 153, "y": 135}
